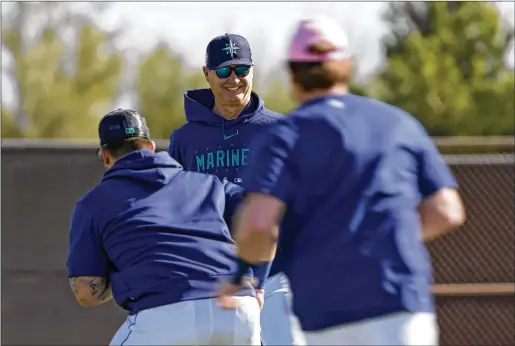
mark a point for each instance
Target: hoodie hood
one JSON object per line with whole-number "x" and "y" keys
{"x": 198, "y": 104}
{"x": 154, "y": 168}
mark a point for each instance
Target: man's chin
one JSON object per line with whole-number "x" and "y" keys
{"x": 237, "y": 99}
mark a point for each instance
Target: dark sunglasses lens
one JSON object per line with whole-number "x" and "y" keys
{"x": 223, "y": 72}
{"x": 242, "y": 71}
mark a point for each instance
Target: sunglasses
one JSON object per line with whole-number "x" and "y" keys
{"x": 240, "y": 71}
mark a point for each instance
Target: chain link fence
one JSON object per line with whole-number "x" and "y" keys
{"x": 476, "y": 320}
{"x": 483, "y": 250}
{"x": 473, "y": 267}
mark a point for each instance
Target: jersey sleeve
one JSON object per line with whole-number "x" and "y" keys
{"x": 433, "y": 172}
{"x": 234, "y": 195}
{"x": 86, "y": 255}
{"x": 173, "y": 148}
{"x": 272, "y": 162}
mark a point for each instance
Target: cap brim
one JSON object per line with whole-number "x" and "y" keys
{"x": 234, "y": 62}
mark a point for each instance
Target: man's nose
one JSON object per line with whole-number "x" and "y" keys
{"x": 233, "y": 77}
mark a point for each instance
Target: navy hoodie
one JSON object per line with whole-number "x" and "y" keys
{"x": 208, "y": 143}
{"x": 352, "y": 172}
{"x": 157, "y": 232}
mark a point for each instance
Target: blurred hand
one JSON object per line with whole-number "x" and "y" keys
{"x": 260, "y": 295}
{"x": 226, "y": 294}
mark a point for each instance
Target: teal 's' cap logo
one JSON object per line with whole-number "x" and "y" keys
{"x": 130, "y": 131}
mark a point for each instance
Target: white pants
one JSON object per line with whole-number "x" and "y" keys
{"x": 413, "y": 329}
{"x": 278, "y": 324}
{"x": 193, "y": 322}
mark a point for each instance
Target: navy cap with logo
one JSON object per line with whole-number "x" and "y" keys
{"x": 121, "y": 124}
{"x": 228, "y": 49}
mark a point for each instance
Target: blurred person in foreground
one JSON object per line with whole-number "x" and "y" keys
{"x": 154, "y": 238}
{"x": 359, "y": 187}
{"x": 217, "y": 139}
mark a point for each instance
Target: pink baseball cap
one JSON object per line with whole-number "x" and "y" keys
{"x": 318, "y": 29}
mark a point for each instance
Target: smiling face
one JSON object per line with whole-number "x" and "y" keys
{"x": 230, "y": 91}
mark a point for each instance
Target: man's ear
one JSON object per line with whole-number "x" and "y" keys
{"x": 105, "y": 156}
{"x": 152, "y": 146}
{"x": 205, "y": 70}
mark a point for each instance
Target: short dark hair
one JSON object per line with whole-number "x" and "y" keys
{"x": 126, "y": 146}
{"x": 320, "y": 75}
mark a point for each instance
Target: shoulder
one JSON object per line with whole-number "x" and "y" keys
{"x": 308, "y": 119}
{"x": 382, "y": 109}
{"x": 271, "y": 115}
{"x": 184, "y": 132}
{"x": 89, "y": 197}
{"x": 395, "y": 122}
{"x": 401, "y": 119}
{"x": 199, "y": 181}
{"x": 85, "y": 206}
{"x": 179, "y": 132}
{"x": 92, "y": 201}
{"x": 286, "y": 131}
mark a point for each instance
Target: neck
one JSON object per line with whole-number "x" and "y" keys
{"x": 110, "y": 163}
{"x": 305, "y": 96}
{"x": 230, "y": 112}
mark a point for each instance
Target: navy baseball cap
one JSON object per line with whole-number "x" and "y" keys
{"x": 122, "y": 124}
{"x": 228, "y": 49}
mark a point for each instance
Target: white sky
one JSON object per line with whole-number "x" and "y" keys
{"x": 188, "y": 27}
{"x": 267, "y": 25}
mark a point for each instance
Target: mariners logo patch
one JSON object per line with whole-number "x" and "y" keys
{"x": 231, "y": 48}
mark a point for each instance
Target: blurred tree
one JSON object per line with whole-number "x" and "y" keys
{"x": 445, "y": 65}
{"x": 162, "y": 81}
{"x": 278, "y": 97}
{"x": 359, "y": 89}
{"x": 9, "y": 128}
{"x": 276, "y": 91}
{"x": 55, "y": 101}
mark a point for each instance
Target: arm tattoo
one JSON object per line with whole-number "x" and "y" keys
{"x": 97, "y": 288}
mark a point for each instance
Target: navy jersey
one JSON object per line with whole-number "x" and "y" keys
{"x": 158, "y": 233}
{"x": 352, "y": 172}
{"x": 210, "y": 144}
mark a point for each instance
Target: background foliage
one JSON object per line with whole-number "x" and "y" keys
{"x": 444, "y": 64}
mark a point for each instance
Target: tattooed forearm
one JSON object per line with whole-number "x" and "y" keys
{"x": 90, "y": 290}
{"x": 98, "y": 288}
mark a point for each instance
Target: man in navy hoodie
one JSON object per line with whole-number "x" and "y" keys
{"x": 222, "y": 122}
{"x": 155, "y": 238}
{"x": 359, "y": 186}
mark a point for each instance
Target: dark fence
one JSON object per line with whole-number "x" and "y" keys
{"x": 474, "y": 267}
